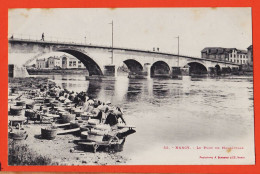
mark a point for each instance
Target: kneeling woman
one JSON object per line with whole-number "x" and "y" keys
{"x": 113, "y": 117}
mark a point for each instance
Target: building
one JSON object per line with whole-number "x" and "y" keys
{"x": 214, "y": 53}
{"x": 71, "y": 62}
{"x": 41, "y": 63}
{"x": 64, "y": 62}
{"x": 250, "y": 54}
{"x": 54, "y": 62}
{"x": 225, "y": 54}
{"x": 238, "y": 56}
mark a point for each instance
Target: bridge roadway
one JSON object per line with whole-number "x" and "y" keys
{"x": 98, "y": 59}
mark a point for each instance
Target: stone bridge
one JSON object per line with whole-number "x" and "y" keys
{"x": 104, "y": 60}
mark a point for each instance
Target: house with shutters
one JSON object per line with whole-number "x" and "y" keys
{"x": 226, "y": 54}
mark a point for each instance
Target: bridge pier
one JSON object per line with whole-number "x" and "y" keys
{"x": 175, "y": 72}
{"x": 109, "y": 70}
{"x": 15, "y": 71}
{"x": 147, "y": 69}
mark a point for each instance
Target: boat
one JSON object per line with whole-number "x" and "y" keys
{"x": 99, "y": 134}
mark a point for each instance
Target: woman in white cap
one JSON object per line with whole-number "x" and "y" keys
{"x": 85, "y": 105}
{"x": 90, "y": 106}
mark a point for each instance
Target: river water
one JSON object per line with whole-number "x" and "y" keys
{"x": 193, "y": 112}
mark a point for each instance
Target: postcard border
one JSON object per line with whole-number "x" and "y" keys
{"x": 5, "y": 5}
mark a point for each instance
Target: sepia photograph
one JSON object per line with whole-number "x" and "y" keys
{"x": 130, "y": 86}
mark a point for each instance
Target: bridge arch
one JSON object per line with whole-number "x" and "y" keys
{"x": 92, "y": 67}
{"x": 133, "y": 65}
{"x": 160, "y": 68}
{"x": 197, "y": 68}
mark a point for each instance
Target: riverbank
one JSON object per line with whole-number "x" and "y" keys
{"x": 58, "y": 150}
{"x": 56, "y": 71}
{"x": 64, "y": 148}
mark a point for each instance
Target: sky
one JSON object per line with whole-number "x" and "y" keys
{"x": 142, "y": 28}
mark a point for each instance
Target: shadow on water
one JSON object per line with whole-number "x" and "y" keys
{"x": 160, "y": 90}
{"x": 198, "y": 78}
{"x": 94, "y": 88}
{"x": 134, "y": 90}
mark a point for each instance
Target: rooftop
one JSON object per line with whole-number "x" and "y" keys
{"x": 220, "y": 50}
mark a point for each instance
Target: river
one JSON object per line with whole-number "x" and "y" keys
{"x": 193, "y": 112}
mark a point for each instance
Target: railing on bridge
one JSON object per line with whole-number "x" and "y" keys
{"x": 61, "y": 40}
{"x": 38, "y": 38}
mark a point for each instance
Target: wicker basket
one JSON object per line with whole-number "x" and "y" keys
{"x": 49, "y": 100}
{"x": 49, "y": 133}
{"x": 18, "y": 135}
{"x": 84, "y": 128}
{"x": 20, "y": 103}
{"x": 84, "y": 134}
{"x": 78, "y": 112}
{"x": 76, "y": 123}
{"x": 84, "y": 116}
{"x": 93, "y": 122}
{"x": 29, "y": 113}
{"x": 56, "y": 103}
{"x": 29, "y": 105}
{"x": 16, "y": 110}
{"x": 67, "y": 118}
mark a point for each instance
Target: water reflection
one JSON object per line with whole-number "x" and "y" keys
{"x": 121, "y": 87}
{"x": 93, "y": 89}
{"x": 149, "y": 87}
{"x": 135, "y": 88}
{"x": 160, "y": 89}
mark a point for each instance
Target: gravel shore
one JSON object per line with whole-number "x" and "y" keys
{"x": 63, "y": 150}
